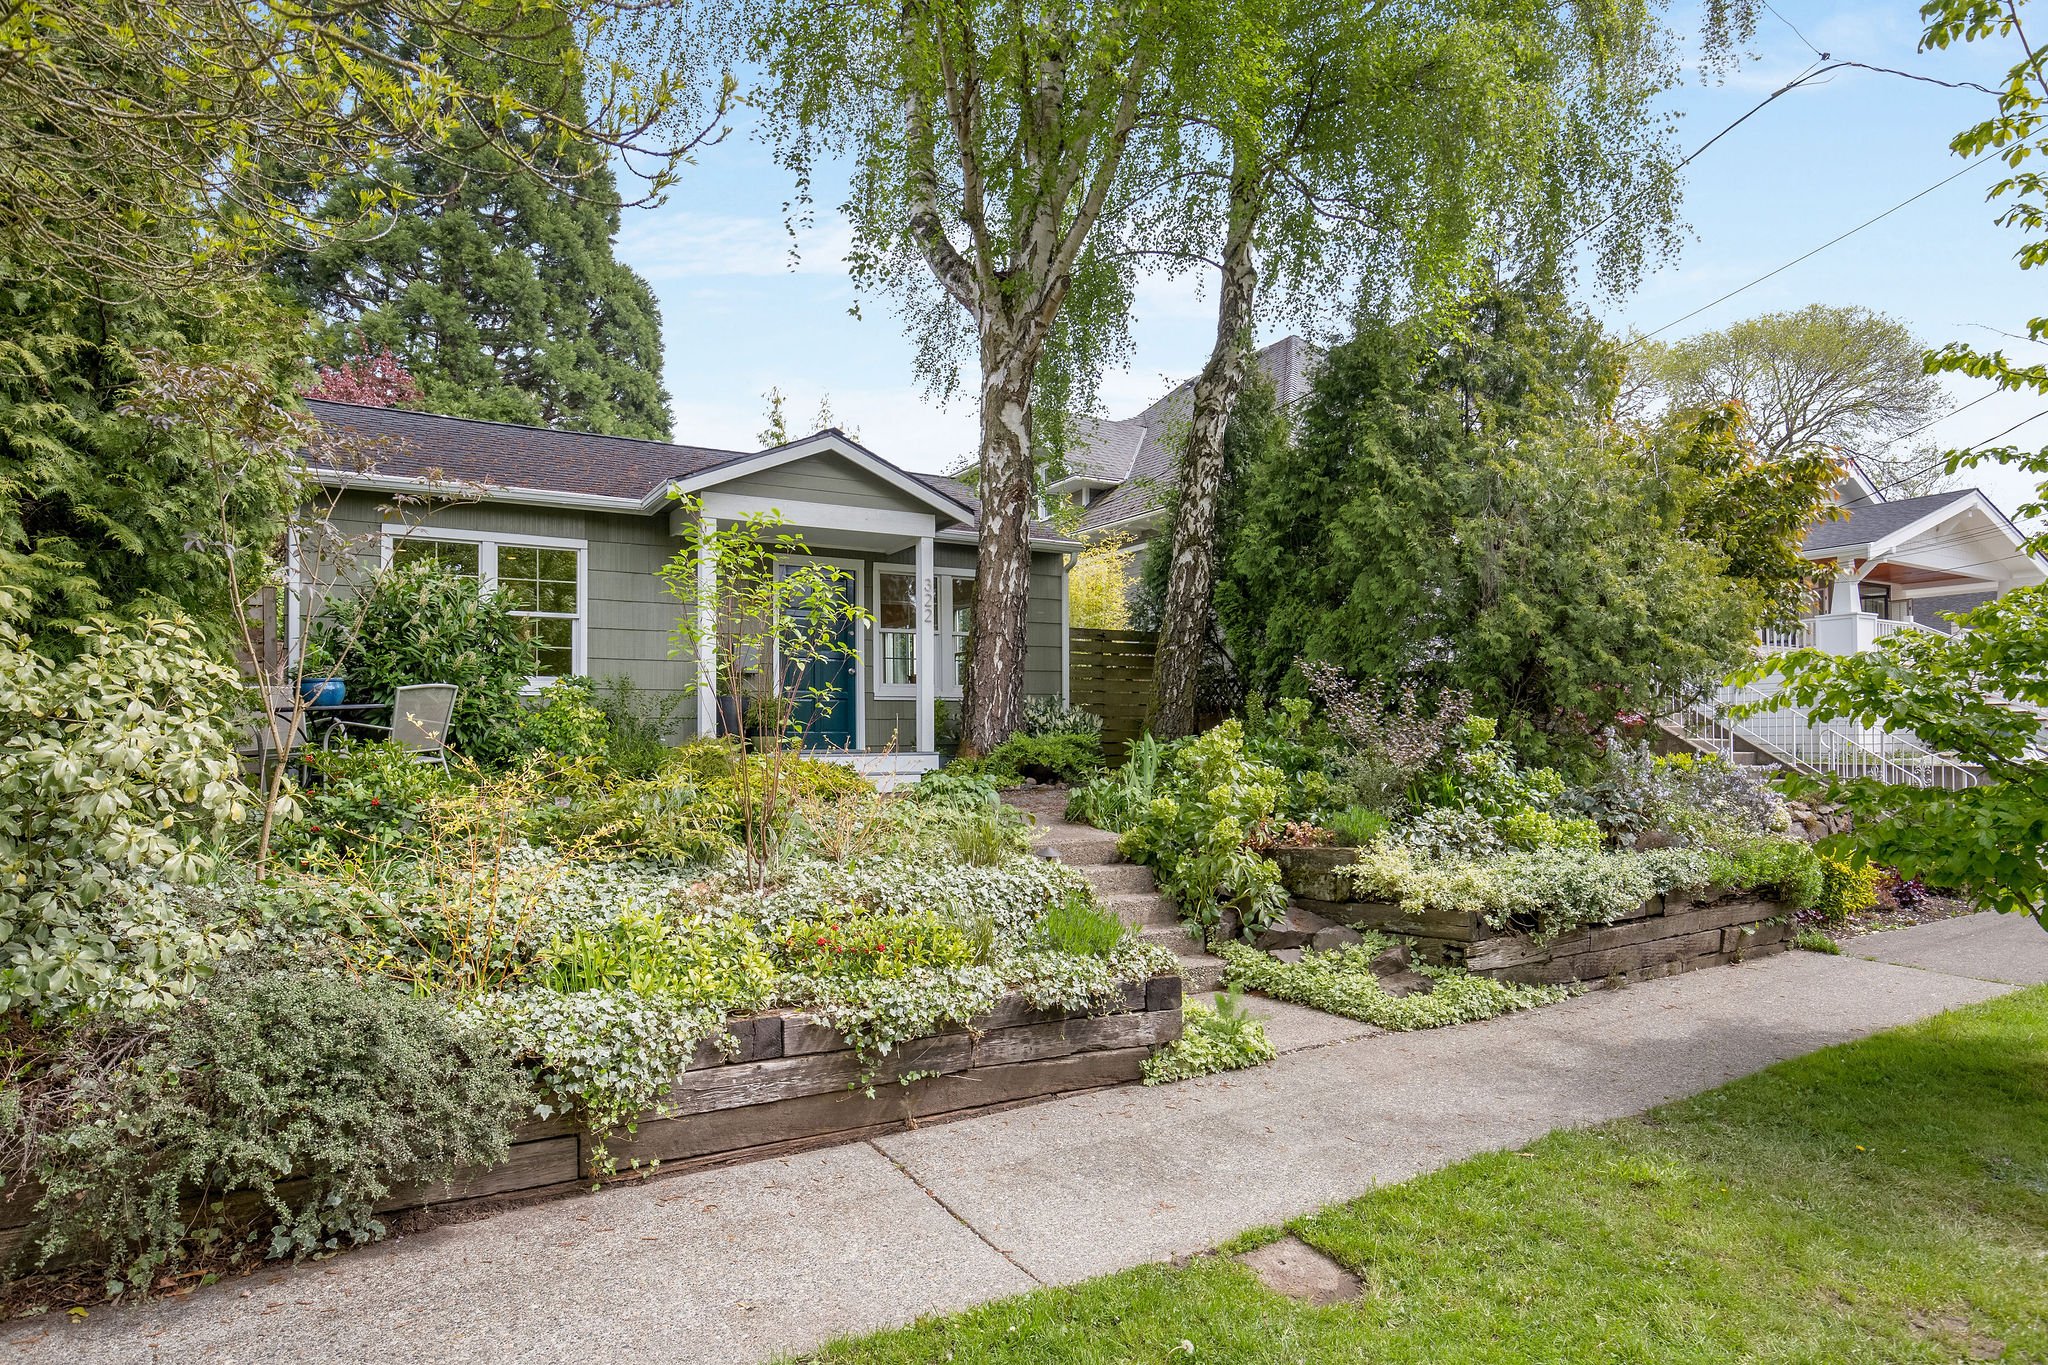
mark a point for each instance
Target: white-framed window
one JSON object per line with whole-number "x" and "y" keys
{"x": 956, "y": 623}
{"x": 895, "y": 630}
{"x": 896, "y": 633}
{"x": 544, "y": 579}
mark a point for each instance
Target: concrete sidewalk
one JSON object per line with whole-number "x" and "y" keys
{"x": 749, "y": 1262}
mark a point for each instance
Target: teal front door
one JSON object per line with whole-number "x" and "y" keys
{"x": 823, "y": 694}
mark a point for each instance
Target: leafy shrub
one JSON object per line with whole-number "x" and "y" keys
{"x": 1046, "y": 716}
{"x": 838, "y": 943}
{"x": 1116, "y": 801}
{"x": 1356, "y": 826}
{"x": 638, "y": 725}
{"x": 721, "y": 964}
{"x": 566, "y": 721}
{"x": 117, "y": 773}
{"x": 1215, "y": 803}
{"x": 1527, "y": 828}
{"x": 1845, "y": 890}
{"x": 956, "y": 787}
{"x": 421, "y": 623}
{"x": 1226, "y": 1038}
{"x": 1343, "y": 982}
{"x": 315, "y": 1094}
{"x": 1077, "y": 925}
{"x": 1684, "y": 797}
{"x": 365, "y": 800}
{"x": 1045, "y": 758}
{"x": 1446, "y": 832}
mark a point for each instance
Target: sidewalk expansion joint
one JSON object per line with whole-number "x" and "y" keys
{"x": 955, "y": 1214}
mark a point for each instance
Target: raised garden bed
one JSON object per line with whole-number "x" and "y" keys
{"x": 793, "y": 1084}
{"x": 1671, "y": 933}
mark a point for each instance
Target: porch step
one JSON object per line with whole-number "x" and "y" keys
{"x": 1204, "y": 973}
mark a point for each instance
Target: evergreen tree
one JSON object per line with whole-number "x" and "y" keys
{"x": 1458, "y": 511}
{"x": 497, "y": 290}
{"x": 100, "y": 510}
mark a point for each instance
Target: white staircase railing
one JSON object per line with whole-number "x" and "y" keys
{"x": 1790, "y": 737}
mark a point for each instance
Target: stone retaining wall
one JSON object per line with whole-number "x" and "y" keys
{"x": 790, "y": 1086}
{"x": 1669, "y": 934}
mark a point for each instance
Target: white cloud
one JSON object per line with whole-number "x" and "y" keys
{"x": 673, "y": 246}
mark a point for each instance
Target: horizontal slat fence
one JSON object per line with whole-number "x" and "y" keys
{"x": 1110, "y": 674}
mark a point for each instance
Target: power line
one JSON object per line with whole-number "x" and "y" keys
{"x": 1868, "y": 222}
{"x": 1942, "y": 458}
{"x": 1795, "y": 30}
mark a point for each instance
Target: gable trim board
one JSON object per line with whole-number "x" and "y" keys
{"x": 826, "y": 441}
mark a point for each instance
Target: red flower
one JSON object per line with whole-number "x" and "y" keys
{"x": 314, "y": 829}
{"x": 375, "y": 802}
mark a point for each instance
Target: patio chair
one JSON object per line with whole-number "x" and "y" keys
{"x": 419, "y": 722}
{"x": 259, "y": 747}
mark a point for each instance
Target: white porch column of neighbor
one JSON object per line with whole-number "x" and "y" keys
{"x": 927, "y": 648}
{"x": 707, "y": 626}
{"x": 1846, "y": 628}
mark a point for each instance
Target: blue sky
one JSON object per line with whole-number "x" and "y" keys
{"x": 737, "y": 318}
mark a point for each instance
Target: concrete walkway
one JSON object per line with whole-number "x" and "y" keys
{"x": 747, "y": 1263}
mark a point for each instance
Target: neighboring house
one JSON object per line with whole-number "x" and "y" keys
{"x": 1123, "y": 474}
{"x": 573, "y": 526}
{"x": 1900, "y": 564}
{"x": 1886, "y": 565}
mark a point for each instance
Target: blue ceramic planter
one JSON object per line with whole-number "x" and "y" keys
{"x": 322, "y": 691}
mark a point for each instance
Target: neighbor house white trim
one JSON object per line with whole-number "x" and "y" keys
{"x": 488, "y": 544}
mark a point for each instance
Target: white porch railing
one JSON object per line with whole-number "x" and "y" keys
{"x": 1790, "y": 737}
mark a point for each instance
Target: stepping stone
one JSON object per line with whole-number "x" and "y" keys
{"x": 1292, "y": 1267}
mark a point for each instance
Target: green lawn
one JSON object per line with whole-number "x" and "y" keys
{"x": 1884, "y": 1201}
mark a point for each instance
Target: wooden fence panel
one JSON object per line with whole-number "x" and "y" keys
{"x": 1109, "y": 673}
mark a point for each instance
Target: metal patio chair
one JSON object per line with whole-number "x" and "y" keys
{"x": 419, "y": 722}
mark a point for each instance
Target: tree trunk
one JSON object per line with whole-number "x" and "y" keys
{"x": 992, "y": 707}
{"x": 1191, "y": 577}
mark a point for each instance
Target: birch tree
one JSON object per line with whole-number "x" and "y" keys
{"x": 1401, "y": 153}
{"x": 990, "y": 140}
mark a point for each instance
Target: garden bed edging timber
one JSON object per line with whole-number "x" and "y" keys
{"x": 791, "y": 1084}
{"x": 1676, "y": 932}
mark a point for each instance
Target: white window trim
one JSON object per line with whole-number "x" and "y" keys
{"x": 488, "y": 544}
{"x": 942, "y": 632}
{"x": 884, "y": 689}
{"x": 951, "y": 689}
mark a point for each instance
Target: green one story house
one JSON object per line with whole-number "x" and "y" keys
{"x": 572, "y": 527}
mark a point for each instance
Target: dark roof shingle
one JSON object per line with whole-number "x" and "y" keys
{"x": 503, "y": 454}
{"x": 1868, "y": 521}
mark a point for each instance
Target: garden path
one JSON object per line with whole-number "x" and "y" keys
{"x": 745, "y": 1263}
{"x": 1127, "y": 889}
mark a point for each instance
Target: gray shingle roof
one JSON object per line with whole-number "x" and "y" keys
{"x": 506, "y": 455}
{"x": 1154, "y": 467}
{"x": 1869, "y": 521}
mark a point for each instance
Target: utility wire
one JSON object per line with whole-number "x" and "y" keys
{"x": 1868, "y": 222}
{"x": 1795, "y": 30}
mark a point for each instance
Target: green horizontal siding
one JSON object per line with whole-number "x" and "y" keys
{"x": 630, "y": 616}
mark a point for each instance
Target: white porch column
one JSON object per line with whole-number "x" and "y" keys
{"x": 707, "y": 627}
{"x": 927, "y": 648}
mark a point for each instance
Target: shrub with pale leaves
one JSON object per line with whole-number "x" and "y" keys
{"x": 117, "y": 776}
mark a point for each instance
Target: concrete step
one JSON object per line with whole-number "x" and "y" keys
{"x": 1203, "y": 972}
{"x": 1177, "y": 937}
{"x": 1142, "y": 908}
{"x": 1110, "y": 879}
{"x": 1078, "y": 844}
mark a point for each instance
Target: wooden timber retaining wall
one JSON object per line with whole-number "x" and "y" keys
{"x": 790, "y": 1086}
{"x": 1669, "y": 934}
{"x": 1109, "y": 673}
